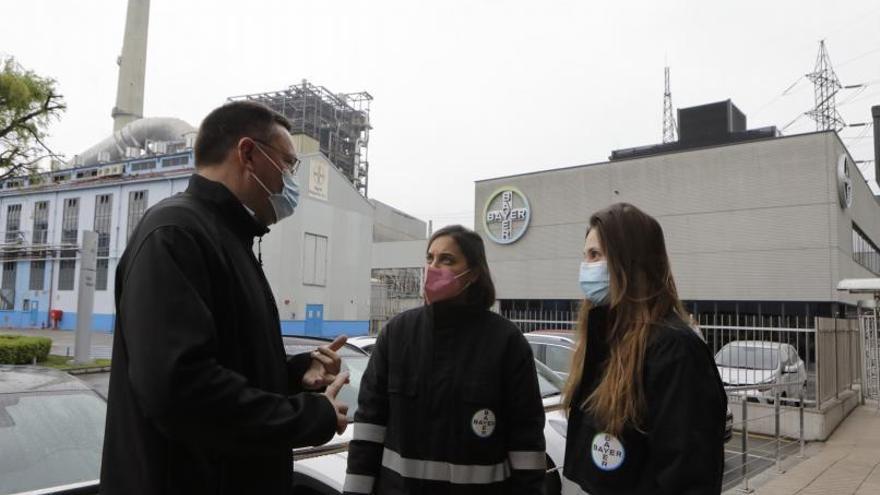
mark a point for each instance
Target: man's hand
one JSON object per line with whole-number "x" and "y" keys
{"x": 341, "y": 409}
{"x": 325, "y": 365}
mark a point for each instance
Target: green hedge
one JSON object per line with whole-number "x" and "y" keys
{"x": 20, "y": 349}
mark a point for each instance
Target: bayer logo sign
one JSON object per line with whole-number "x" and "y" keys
{"x": 506, "y": 215}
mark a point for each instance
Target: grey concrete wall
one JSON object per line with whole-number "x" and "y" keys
{"x": 400, "y": 254}
{"x": 345, "y": 218}
{"x": 751, "y": 221}
{"x": 391, "y": 224}
{"x": 864, "y": 212}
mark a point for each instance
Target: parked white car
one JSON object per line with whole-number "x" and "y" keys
{"x": 363, "y": 342}
{"x": 749, "y": 362}
{"x": 321, "y": 470}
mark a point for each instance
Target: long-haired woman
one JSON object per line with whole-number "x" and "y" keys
{"x": 645, "y": 403}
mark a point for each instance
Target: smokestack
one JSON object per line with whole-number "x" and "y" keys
{"x": 132, "y": 65}
{"x": 875, "y": 112}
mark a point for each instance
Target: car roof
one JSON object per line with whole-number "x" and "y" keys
{"x": 299, "y": 344}
{"x": 34, "y": 379}
{"x": 762, "y": 344}
{"x": 545, "y": 337}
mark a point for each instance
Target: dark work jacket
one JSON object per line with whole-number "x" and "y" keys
{"x": 202, "y": 399}
{"x": 449, "y": 404}
{"x": 680, "y": 450}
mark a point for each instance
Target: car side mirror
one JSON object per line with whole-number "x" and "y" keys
{"x": 791, "y": 368}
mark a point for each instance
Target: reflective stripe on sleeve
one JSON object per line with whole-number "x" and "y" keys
{"x": 369, "y": 432}
{"x": 461, "y": 474}
{"x": 358, "y": 483}
{"x": 524, "y": 459}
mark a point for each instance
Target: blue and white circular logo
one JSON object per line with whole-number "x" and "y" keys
{"x": 483, "y": 423}
{"x": 607, "y": 452}
{"x": 506, "y": 215}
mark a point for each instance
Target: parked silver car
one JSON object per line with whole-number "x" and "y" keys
{"x": 750, "y": 362}
{"x": 554, "y": 348}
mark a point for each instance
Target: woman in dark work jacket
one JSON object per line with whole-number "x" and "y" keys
{"x": 645, "y": 403}
{"x": 449, "y": 403}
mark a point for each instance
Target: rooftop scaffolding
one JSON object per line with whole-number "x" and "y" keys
{"x": 339, "y": 122}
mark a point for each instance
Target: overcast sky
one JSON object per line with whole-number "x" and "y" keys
{"x": 463, "y": 90}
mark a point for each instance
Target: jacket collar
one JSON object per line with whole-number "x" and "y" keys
{"x": 230, "y": 209}
{"x": 453, "y": 312}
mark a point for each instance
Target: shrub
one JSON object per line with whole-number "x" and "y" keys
{"x": 21, "y": 349}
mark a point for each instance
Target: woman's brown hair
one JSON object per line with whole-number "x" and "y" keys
{"x": 642, "y": 292}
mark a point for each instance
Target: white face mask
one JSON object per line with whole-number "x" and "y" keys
{"x": 283, "y": 203}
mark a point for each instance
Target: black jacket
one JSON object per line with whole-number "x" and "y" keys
{"x": 681, "y": 448}
{"x": 202, "y": 398}
{"x": 449, "y": 403}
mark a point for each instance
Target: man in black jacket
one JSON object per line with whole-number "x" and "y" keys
{"x": 202, "y": 396}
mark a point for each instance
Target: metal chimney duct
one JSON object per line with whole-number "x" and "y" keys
{"x": 132, "y": 65}
{"x": 875, "y": 112}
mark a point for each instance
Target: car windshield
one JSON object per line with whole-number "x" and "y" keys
{"x": 549, "y": 382}
{"x": 748, "y": 357}
{"x": 49, "y": 439}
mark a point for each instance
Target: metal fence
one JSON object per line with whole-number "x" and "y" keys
{"x": 826, "y": 348}
{"x": 870, "y": 355}
{"x": 821, "y": 354}
{"x": 530, "y": 321}
{"x": 748, "y": 454}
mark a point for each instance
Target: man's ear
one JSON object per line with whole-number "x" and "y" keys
{"x": 244, "y": 151}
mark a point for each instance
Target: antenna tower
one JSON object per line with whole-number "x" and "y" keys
{"x": 826, "y": 86}
{"x": 669, "y": 125}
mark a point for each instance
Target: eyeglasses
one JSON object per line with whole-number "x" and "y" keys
{"x": 291, "y": 164}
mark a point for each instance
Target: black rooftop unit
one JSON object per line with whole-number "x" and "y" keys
{"x": 704, "y": 125}
{"x": 709, "y": 124}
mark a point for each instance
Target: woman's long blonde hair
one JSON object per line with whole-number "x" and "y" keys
{"x": 642, "y": 293}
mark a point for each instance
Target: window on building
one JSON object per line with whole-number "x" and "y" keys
{"x": 140, "y": 166}
{"x": 315, "y": 260}
{"x": 864, "y": 250}
{"x": 137, "y": 205}
{"x": 69, "y": 237}
{"x": 41, "y": 223}
{"x": 7, "y": 286}
{"x": 38, "y": 275}
{"x": 66, "y": 272}
{"x": 103, "y": 216}
{"x": 70, "y": 221}
{"x": 13, "y": 222}
{"x": 175, "y": 161}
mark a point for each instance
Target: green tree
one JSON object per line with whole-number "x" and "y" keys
{"x": 28, "y": 104}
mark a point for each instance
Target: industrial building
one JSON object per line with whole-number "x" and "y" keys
{"x": 757, "y": 224}
{"x": 318, "y": 262}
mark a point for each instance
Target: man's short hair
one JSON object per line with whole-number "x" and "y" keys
{"x": 226, "y": 125}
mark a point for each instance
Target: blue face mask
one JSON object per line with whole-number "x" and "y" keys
{"x": 285, "y": 202}
{"x": 595, "y": 282}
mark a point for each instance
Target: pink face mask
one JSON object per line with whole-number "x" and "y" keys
{"x": 442, "y": 284}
